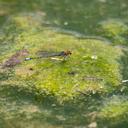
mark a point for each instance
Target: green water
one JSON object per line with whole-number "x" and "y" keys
{"x": 84, "y": 16}
{"x": 20, "y": 108}
{"x": 81, "y": 16}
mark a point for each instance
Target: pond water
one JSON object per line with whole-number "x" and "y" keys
{"x": 83, "y": 18}
{"x": 80, "y": 16}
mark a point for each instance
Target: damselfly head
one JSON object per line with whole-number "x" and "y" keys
{"x": 68, "y": 52}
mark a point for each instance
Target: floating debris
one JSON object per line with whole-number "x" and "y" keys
{"x": 124, "y": 81}
{"x": 15, "y": 59}
{"x": 103, "y": 1}
{"x": 92, "y": 78}
{"x": 94, "y": 57}
{"x": 31, "y": 69}
{"x": 90, "y": 57}
{"x": 65, "y": 23}
{"x": 72, "y": 73}
{"x": 92, "y": 125}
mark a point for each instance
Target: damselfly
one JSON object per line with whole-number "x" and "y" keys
{"x": 46, "y": 54}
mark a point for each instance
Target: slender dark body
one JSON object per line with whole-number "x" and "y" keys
{"x": 44, "y": 54}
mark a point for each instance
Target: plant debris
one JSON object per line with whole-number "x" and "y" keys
{"x": 15, "y": 59}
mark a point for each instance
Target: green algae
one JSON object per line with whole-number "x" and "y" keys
{"x": 115, "y": 30}
{"x": 53, "y": 75}
{"x": 114, "y": 113}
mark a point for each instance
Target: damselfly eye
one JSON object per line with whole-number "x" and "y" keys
{"x": 69, "y": 52}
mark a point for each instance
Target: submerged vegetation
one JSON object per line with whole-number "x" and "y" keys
{"x": 85, "y": 90}
{"x": 114, "y": 30}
